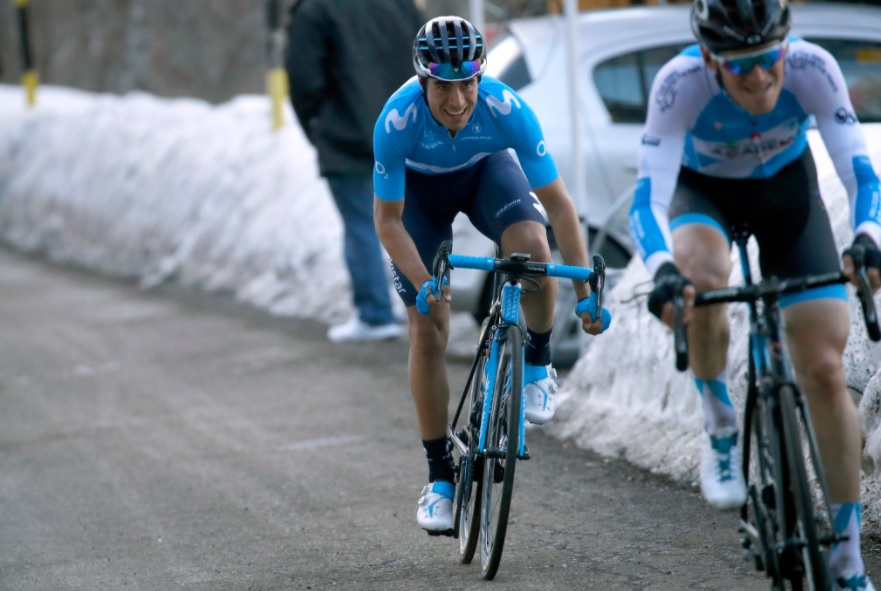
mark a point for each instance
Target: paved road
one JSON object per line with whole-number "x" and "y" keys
{"x": 165, "y": 441}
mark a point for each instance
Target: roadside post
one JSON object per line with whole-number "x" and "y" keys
{"x": 276, "y": 77}
{"x": 29, "y": 76}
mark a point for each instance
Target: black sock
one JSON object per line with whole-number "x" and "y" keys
{"x": 538, "y": 347}
{"x": 440, "y": 461}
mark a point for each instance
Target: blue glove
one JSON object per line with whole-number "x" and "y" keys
{"x": 422, "y": 305}
{"x": 589, "y": 305}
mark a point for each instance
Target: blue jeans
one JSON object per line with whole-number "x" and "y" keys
{"x": 370, "y": 287}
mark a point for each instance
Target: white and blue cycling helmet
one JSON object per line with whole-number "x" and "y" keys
{"x": 449, "y": 48}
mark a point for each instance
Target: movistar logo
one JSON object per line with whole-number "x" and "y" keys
{"x": 398, "y": 120}
{"x": 503, "y": 107}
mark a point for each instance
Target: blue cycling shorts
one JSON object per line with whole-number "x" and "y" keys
{"x": 493, "y": 193}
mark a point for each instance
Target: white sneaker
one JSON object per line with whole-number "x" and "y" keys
{"x": 722, "y": 482}
{"x": 355, "y": 330}
{"x": 853, "y": 583}
{"x": 435, "y": 512}
{"x": 540, "y": 392}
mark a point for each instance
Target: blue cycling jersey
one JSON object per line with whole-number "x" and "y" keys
{"x": 407, "y": 136}
{"x": 692, "y": 122}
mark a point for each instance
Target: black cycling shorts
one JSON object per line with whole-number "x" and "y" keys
{"x": 494, "y": 194}
{"x": 785, "y": 213}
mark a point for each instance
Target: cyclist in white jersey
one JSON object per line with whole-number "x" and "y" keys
{"x": 725, "y": 146}
{"x": 441, "y": 147}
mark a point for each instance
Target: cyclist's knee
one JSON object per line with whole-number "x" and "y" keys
{"x": 706, "y": 277}
{"x": 822, "y": 373}
{"x": 527, "y": 237}
{"x": 428, "y": 336}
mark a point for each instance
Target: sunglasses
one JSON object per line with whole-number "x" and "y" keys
{"x": 744, "y": 63}
{"x": 448, "y": 72}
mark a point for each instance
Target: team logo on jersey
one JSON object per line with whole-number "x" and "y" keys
{"x": 648, "y": 140}
{"x": 394, "y": 118}
{"x": 379, "y": 167}
{"x": 503, "y": 107}
{"x": 666, "y": 95}
{"x": 845, "y": 117}
{"x": 541, "y": 149}
{"x": 801, "y": 60}
{"x": 476, "y": 128}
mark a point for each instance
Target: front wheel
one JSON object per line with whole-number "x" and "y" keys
{"x": 806, "y": 554}
{"x": 502, "y": 447}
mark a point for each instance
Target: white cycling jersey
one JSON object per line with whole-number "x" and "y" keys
{"x": 693, "y": 122}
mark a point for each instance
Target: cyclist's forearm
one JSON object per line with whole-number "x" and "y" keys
{"x": 400, "y": 247}
{"x": 570, "y": 242}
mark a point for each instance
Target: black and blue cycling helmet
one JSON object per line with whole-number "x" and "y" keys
{"x": 449, "y": 48}
{"x": 729, "y": 25}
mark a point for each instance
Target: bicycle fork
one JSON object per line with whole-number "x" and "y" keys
{"x": 510, "y": 315}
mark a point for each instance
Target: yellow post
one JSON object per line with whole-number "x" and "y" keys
{"x": 29, "y": 78}
{"x": 277, "y": 87}
{"x": 276, "y": 77}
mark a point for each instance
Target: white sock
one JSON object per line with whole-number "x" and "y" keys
{"x": 846, "y": 558}
{"x": 719, "y": 413}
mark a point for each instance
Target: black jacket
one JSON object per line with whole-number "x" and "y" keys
{"x": 344, "y": 59}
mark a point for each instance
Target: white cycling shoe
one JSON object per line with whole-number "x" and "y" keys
{"x": 435, "y": 512}
{"x": 540, "y": 392}
{"x": 722, "y": 483}
{"x": 853, "y": 583}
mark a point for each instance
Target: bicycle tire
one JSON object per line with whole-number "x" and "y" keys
{"x": 804, "y": 521}
{"x": 503, "y": 436}
{"x": 471, "y": 468}
{"x": 758, "y": 467}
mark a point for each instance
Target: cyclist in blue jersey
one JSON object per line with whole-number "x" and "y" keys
{"x": 441, "y": 147}
{"x": 725, "y": 147}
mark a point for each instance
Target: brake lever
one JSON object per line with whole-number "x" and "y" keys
{"x": 680, "y": 337}
{"x": 597, "y": 282}
{"x": 867, "y": 302}
{"x": 440, "y": 269}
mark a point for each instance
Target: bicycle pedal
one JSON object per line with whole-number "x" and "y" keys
{"x": 448, "y": 533}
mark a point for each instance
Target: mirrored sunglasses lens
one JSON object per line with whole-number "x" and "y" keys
{"x": 745, "y": 65}
{"x": 447, "y": 72}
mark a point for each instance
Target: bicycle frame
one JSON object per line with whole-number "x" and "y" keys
{"x": 492, "y": 438}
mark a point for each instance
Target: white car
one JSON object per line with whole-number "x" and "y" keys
{"x": 620, "y": 51}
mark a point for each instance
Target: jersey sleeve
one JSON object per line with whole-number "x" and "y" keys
{"x": 822, "y": 90}
{"x": 660, "y": 157}
{"x": 391, "y": 136}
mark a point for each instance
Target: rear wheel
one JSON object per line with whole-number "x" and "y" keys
{"x": 470, "y": 487}
{"x": 502, "y": 445}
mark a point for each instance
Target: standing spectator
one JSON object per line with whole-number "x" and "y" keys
{"x": 344, "y": 59}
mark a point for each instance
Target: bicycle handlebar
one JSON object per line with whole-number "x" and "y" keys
{"x": 517, "y": 266}
{"x": 772, "y": 288}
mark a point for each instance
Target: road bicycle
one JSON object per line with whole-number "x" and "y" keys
{"x": 487, "y": 430}
{"x": 781, "y": 532}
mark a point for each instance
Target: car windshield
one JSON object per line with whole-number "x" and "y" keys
{"x": 507, "y": 63}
